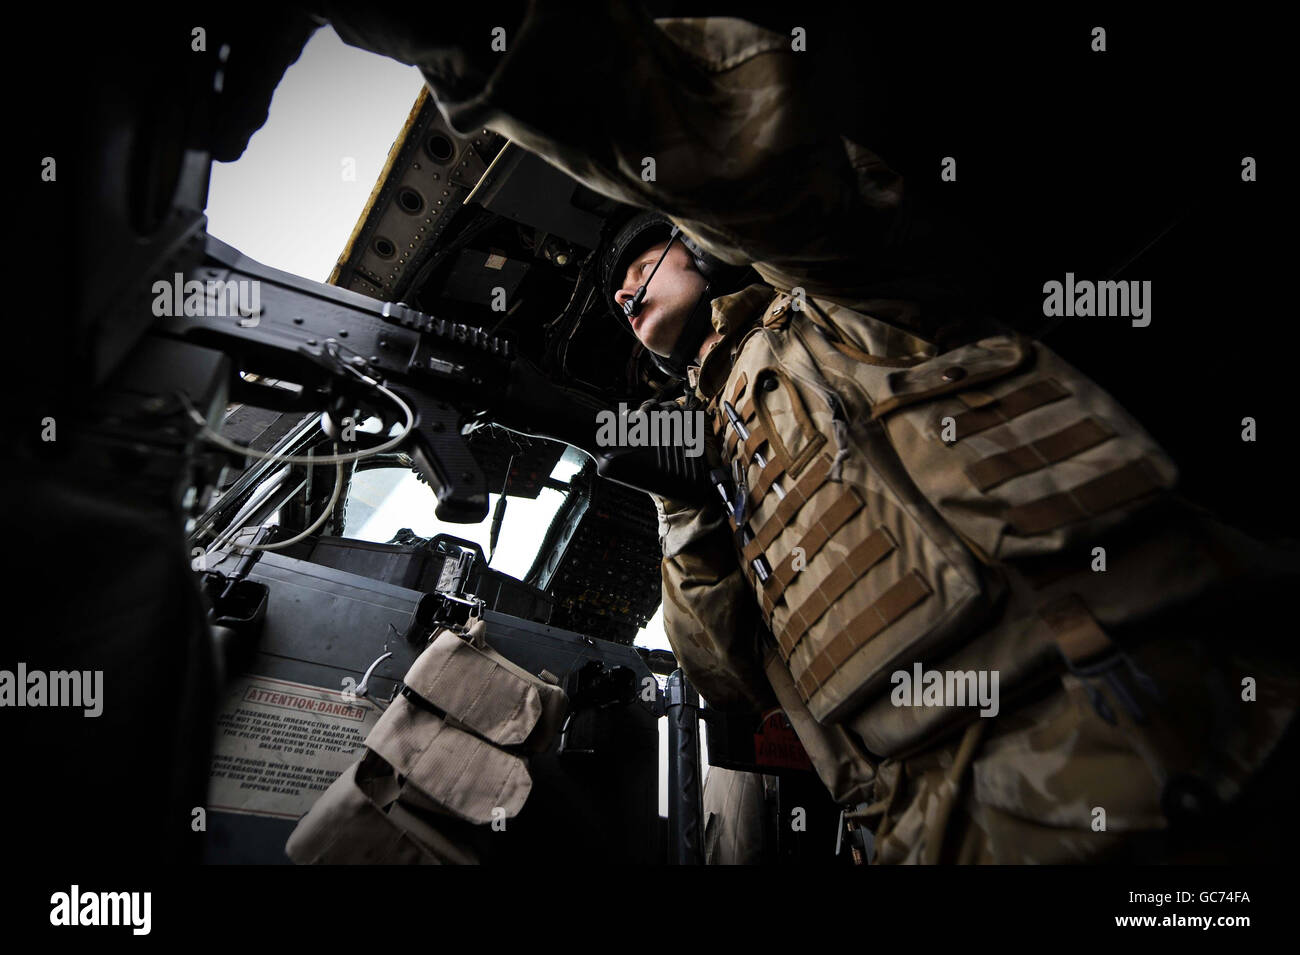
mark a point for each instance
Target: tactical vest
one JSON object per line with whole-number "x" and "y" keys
{"x": 933, "y": 508}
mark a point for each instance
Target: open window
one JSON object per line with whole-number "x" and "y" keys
{"x": 389, "y": 503}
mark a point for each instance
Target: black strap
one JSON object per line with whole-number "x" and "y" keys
{"x": 698, "y": 325}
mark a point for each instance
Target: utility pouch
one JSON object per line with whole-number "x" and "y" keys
{"x": 452, "y": 744}
{"x": 462, "y": 704}
{"x": 1022, "y": 454}
{"x": 359, "y": 820}
{"x": 486, "y": 694}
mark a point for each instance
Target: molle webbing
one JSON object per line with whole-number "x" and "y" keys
{"x": 989, "y": 472}
{"x": 757, "y": 438}
{"x": 877, "y": 546}
{"x": 776, "y": 467}
{"x": 795, "y": 498}
{"x": 889, "y": 607}
{"x": 835, "y": 517}
{"x": 1018, "y": 402}
{"x": 1132, "y": 481}
{"x": 739, "y": 390}
{"x": 774, "y": 471}
{"x": 906, "y": 593}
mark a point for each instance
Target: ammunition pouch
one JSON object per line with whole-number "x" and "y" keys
{"x": 450, "y": 749}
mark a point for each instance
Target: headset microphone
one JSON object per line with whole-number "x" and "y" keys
{"x": 720, "y": 278}
{"x": 633, "y": 305}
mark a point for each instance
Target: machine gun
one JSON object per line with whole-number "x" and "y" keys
{"x": 348, "y": 354}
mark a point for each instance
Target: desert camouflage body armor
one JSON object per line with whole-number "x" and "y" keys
{"x": 944, "y": 509}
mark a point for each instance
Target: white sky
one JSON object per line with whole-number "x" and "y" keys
{"x": 287, "y": 203}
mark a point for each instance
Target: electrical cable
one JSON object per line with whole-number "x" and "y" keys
{"x": 316, "y": 525}
{"x": 212, "y": 437}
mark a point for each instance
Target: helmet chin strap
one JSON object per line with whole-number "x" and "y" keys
{"x": 694, "y": 331}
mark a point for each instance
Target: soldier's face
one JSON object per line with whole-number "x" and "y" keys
{"x": 669, "y": 297}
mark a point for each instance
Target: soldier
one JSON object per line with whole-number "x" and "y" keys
{"x": 1094, "y": 743}
{"x": 959, "y": 565}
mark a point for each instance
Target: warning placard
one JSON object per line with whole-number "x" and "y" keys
{"x": 776, "y": 743}
{"x": 279, "y": 745}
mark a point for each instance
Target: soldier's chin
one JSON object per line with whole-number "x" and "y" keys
{"x": 661, "y": 349}
{"x": 654, "y": 338}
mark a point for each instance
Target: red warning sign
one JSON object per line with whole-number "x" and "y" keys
{"x": 775, "y": 743}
